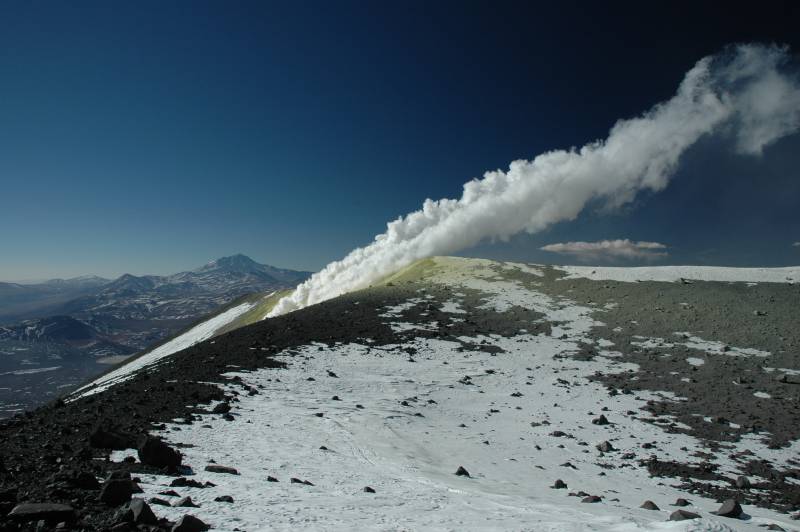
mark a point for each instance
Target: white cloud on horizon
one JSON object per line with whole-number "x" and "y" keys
{"x": 609, "y": 250}
{"x": 796, "y": 244}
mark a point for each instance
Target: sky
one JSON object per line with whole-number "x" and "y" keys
{"x": 153, "y": 137}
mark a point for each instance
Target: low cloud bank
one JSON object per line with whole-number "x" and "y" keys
{"x": 609, "y": 250}
{"x": 746, "y": 94}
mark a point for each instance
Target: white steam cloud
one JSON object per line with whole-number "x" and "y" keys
{"x": 744, "y": 93}
{"x": 609, "y": 249}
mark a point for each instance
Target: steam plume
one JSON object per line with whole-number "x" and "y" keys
{"x": 743, "y": 93}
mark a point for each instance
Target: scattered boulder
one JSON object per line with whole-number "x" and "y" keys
{"x": 559, "y": 485}
{"x": 742, "y": 483}
{"x": 185, "y": 502}
{"x": 649, "y": 505}
{"x": 214, "y": 468}
{"x": 367, "y": 489}
{"x": 159, "y": 502}
{"x": 224, "y": 498}
{"x": 605, "y": 447}
{"x": 602, "y": 420}
{"x": 222, "y": 408}
{"x": 729, "y": 508}
{"x": 85, "y": 481}
{"x": 681, "y": 502}
{"x": 116, "y": 492}
{"x": 106, "y": 439}
{"x": 189, "y": 523}
{"x": 44, "y": 511}
{"x": 461, "y": 472}
{"x": 682, "y": 515}
{"x": 156, "y": 453}
{"x": 270, "y": 478}
{"x": 137, "y": 511}
{"x": 773, "y": 526}
{"x": 118, "y": 475}
{"x": 591, "y": 499}
{"x": 183, "y": 482}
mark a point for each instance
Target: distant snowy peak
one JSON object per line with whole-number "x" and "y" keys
{"x": 242, "y": 264}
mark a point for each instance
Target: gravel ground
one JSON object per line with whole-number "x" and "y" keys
{"x": 41, "y": 450}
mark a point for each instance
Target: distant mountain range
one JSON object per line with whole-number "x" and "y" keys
{"x": 61, "y": 332}
{"x": 21, "y": 301}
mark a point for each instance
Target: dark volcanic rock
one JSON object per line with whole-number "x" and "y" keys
{"x": 224, "y": 498}
{"x": 185, "y": 502}
{"x": 214, "y": 468}
{"x": 742, "y": 483}
{"x": 137, "y": 511}
{"x": 461, "y": 472}
{"x": 116, "y": 492}
{"x": 107, "y": 439}
{"x": 559, "y": 485}
{"x": 159, "y": 502}
{"x": 49, "y": 512}
{"x": 222, "y": 408}
{"x": 649, "y": 505}
{"x": 681, "y": 502}
{"x": 729, "y": 508}
{"x": 605, "y": 447}
{"x": 156, "y": 453}
{"x": 189, "y": 523}
{"x": 591, "y": 499}
{"x": 184, "y": 482}
{"x": 367, "y": 489}
{"x": 682, "y": 515}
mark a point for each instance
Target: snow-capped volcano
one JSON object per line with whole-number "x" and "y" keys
{"x": 464, "y": 394}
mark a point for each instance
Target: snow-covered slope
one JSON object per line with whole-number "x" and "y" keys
{"x": 676, "y": 273}
{"x": 518, "y": 411}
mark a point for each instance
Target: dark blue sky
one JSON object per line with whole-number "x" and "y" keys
{"x": 150, "y": 137}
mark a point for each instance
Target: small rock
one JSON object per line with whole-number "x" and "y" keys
{"x": 156, "y": 453}
{"x": 270, "y": 478}
{"x": 602, "y": 420}
{"x": 224, "y": 498}
{"x": 605, "y": 447}
{"x": 649, "y": 505}
{"x": 681, "y": 502}
{"x": 332, "y": 374}
{"x": 773, "y": 526}
{"x": 729, "y": 508}
{"x": 682, "y": 515}
{"x": 461, "y": 472}
{"x": 559, "y": 485}
{"x": 367, "y": 489}
{"x": 106, "y": 439}
{"x": 222, "y": 408}
{"x": 141, "y": 513}
{"x": 185, "y": 502}
{"x": 742, "y": 483}
{"x": 116, "y": 492}
{"x": 49, "y": 512}
{"x": 215, "y": 468}
{"x": 159, "y": 502}
{"x": 591, "y": 499}
{"x": 189, "y": 523}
